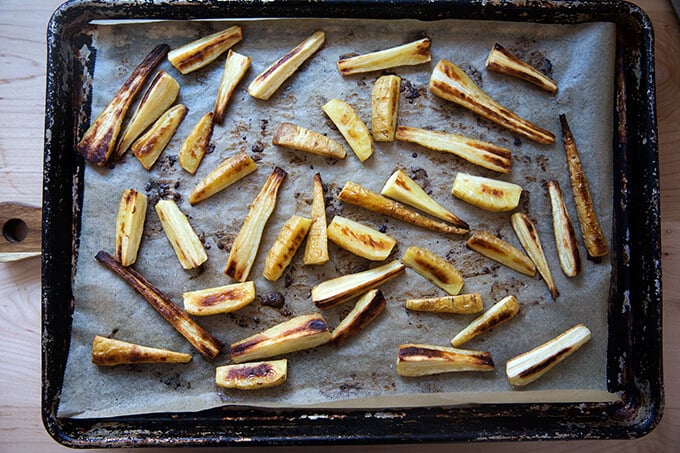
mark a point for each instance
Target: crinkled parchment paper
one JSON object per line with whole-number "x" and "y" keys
{"x": 362, "y": 373}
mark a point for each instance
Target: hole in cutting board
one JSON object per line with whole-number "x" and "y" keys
{"x": 15, "y": 230}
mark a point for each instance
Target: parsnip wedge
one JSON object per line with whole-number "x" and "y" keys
{"x": 252, "y": 375}
{"x": 593, "y": 237}
{"x": 360, "y": 239}
{"x": 99, "y": 141}
{"x": 203, "y": 51}
{"x": 415, "y": 359}
{"x": 301, "y": 332}
{"x": 225, "y": 174}
{"x": 199, "y": 338}
{"x": 565, "y": 236}
{"x": 111, "y": 352}
{"x": 528, "y": 237}
{"x": 486, "y": 193}
{"x": 462, "y": 304}
{"x": 434, "y": 268}
{"x": 316, "y": 247}
{"x": 149, "y": 146}
{"x": 351, "y": 127}
{"x": 289, "y": 239}
{"x": 367, "y": 308}
{"x": 221, "y": 299}
{"x": 484, "y": 154}
{"x": 245, "y": 247}
{"x": 266, "y": 84}
{"x": 357, "y": 195}
{"x": 385, "y": 107}
{"x": 402, "y": 188}
{"x": 182, "y": 237}
{"x": 499, "y": 313}
{"x": 531, "y": 365}
{"x": 341, "y": 289}
{"x": 235, "y": 68}
{"x": 450, "y": 82}
{"x": 292, "y": 136}
{"x": 410, "y": 54}
{"x": 501, "y": 60}
{"x": 196, "y": 144}
{"x": 129, "y": 226}
{"x": 502, "y": 252}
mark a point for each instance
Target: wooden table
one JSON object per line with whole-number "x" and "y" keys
{"x": 22, "y": 87}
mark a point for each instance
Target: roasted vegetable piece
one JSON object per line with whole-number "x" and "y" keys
{"x": 289, "y": 239}
{"x": 149, "y": 146}
{"x": 196, "y": 144}
{"x": 360, "y": 239}
{"x": 351, "y": 127}
{"x": 415, "y": 359}
{"x": 225, "y": 174}
{"x": 129, "y": 226}
{"x": 99, "y": 141}
{"x": 528, "y": 237}
{"x": 110, "y": 352}
{"x": 401, "y": 187}
{"x": 367, "y": 308}
{"x": 486, "y": 193}
{"x": 410, "y": 54}
{"x": 500, "y": 251}
{"x": 266, "y": 84}
{"x": 203, "y": 51}
{"x": 221, "y": 299}
{"x": 252, "y": 375}
{"x": 292, "y": 136}
{"x": 235, "y": 68}
{"x": 434, "y": 268}
{"x": 316, "y": 247}
{"x": 565, "y": 237}
{"x": 355, "y": 194}
{"x": 462, "y": 304}
{"x": 199, "y": 338}
{"x": 500, "y": 60}
{"x": 477, "y": 152}
{"x": 385, "y": 107}
{"x": 501, "y": 312}
{"x": 246, "y": 244}
{"x": 593, "y": 237}
{"x": 341, "y": 289}
{"x": 182, "y": 237}
{"x": 302, "y": 332}
{"x": 531, "y": 365}
{"x": 450, "y": 82}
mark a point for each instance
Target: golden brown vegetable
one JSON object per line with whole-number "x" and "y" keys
{"x": 292, "y": 136}
{"x": 486, "y": 193}
{"x": 316, "y": 248}
{"x": 235, "y": 68}
{"x": 110, "y": 352}
{"x": 225, "y": 174}
{"x": 182, "y": 237}
{"x": 129, "y": 226}
{"x": 501, "y": 312}
{"x": 253, "y": 375}
{"x": 415, "y": 359}
{"x": 528, "y": 237}
{"x": 500, "y": 60}
{"x": 149, "y": 146}
{"x": 462, "y": 304}
{"x": 410, "y": 54}
{"x": 500, "y": 251}
{"x": 221, "y": 299}
{"x": 196, "y": 144}
{"x": 289, "y": 239}
{"x": 367, "y": 308}
{"x": 434, "y": 268}
{"x": 385, "y": 107}
{"x": 351, "y": 127}
{"x": 360, "y": 239}
{"x": 203, "y": 51}
{"x": 565, "y": 237}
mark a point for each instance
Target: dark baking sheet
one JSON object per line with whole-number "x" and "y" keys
{"x": 634, "y": 357}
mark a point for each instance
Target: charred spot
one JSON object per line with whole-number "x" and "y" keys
{"x": 202, "y": 53}
{"x": 249, "y": 372}
{"x": 273, "y": 299}
{"x": 547, "y": 363}
{"x": 258, "y": 147}
{"x": 491, "y": 191}
{"x": 410, "y": 351}
{"x": 218, "y": 298}
{"x": 434, "y": 270}
{"x": 348, "y": 55}
{"x": 243, "y": 346}
{"x": 410, "y": 91}
{"x": 277, "y": 64}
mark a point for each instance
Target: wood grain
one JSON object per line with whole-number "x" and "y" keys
{"x": 22, "y": 87}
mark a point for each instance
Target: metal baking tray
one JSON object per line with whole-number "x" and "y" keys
{"x": 634, "y": 357}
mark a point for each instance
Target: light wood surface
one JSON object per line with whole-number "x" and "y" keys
{"x": 22, "y": 88}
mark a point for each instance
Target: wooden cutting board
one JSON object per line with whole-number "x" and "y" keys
{"x": 21, "y": 231}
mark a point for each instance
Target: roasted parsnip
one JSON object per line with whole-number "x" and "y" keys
{"x": 292, "y": 136}
{"x": 367, "y": 308}
{"x": 434, "y": 268}
{"x": 415, "y": 359}
{"x": 351, "y": 127}
{"x": 196, "y": 144}
{"x": 528, "y": 237}
{"x": 410, "y": 54}
{"x": 593, "y": 237}
{"x": 246, "y": 244}
{"x": 385, "y": 107}
{"x": 266, "y": 84}
{"x": 500, "y": 60}
{"x": 199, "y": 338}
{"x": 110, "y": 352}
{"x": 360, "y": 239}
{"x": 252, "y": 376}
{"x": 235, "y": 68}
{"x": 450, "y": 82}
{"x": 301, "y": 332}
{"x": 355, "y": 194}
{"x": 499, "y": 250}
{"x": 221, "y": 299}
{"x": 401, "y": 187}
{"x": 225, "y": 174}
{"x": 341, "y": 289}
{"x": 462, "y": 304}
{"x": 203, "y": 51}
{"x": 500, "y": 312}
{"x": 289, "y": 239}
{"x": 477, "y": 152}
{"x": 182, "y": 237}
{"x": 129, "y": 226}
{"x": 531, "y": 365}
{"x": 486, "y": 193}
{"x": 316, "y": 247}
{"x": 99, "y": 141}
{"x": 149, "y": 146}
{"x": 565, "y": 236}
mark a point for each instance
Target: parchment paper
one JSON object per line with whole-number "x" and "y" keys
{"x": 362, "y": 373}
